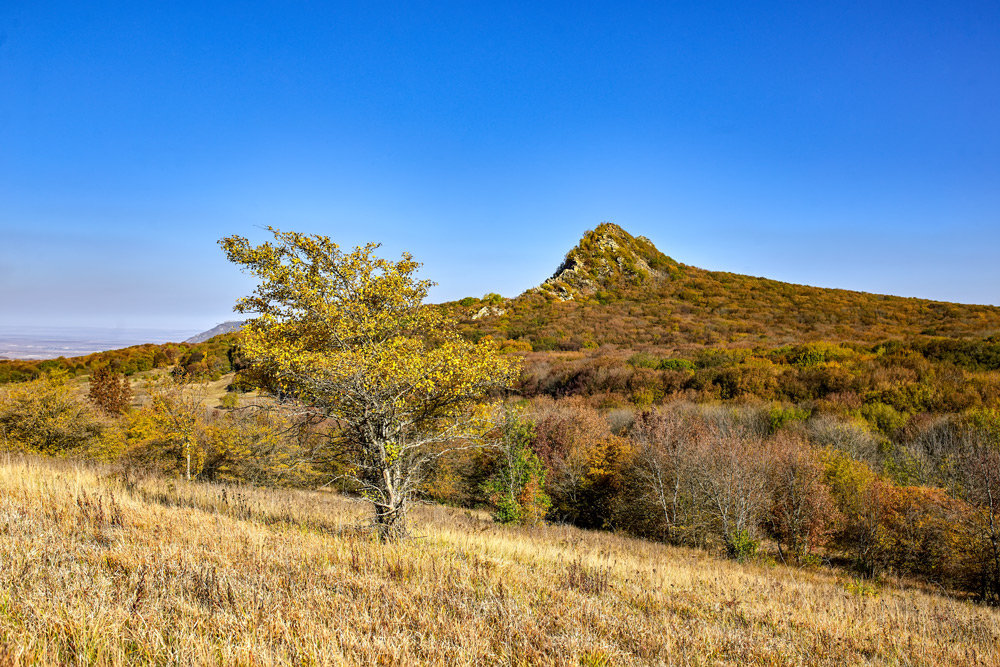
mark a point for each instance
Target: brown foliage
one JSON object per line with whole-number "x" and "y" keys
{"x": 803, "y": 515}
{"x": 582, "y": 457}
{"x": 109, "y": 390}
{"x": 661, "y": 477}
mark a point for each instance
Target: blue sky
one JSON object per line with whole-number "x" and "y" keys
{"x": 846, "y": 145}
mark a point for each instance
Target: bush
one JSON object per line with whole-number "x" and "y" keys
{"x": 883, "y": 417}
{"x": 517, "y": 487}
{"x": 644, "y": 360}
{"x": 803, "y": 514}
{"x": 780, "y": 416}
{"x": 46, "y": 416}
{"x": 676, "y": 365}
{"x": 741, "y": 545}
{"x": 110, "y": 391}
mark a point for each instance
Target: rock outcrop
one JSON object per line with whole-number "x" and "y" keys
{"x": 607, "y": 258}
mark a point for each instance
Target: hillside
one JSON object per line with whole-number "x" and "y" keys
{"x": 209, "y": 359}
{"x": 226, "y": 327}
{"x": 617, "y": 289}
{"x": 101, "y": 571}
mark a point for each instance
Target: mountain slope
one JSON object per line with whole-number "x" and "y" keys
{"x": 614, "y": 288}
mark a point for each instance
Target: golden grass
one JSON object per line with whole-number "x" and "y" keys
{"x": 96, "y": 571}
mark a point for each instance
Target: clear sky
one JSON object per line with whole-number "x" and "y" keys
{"x": 843, "y": 144}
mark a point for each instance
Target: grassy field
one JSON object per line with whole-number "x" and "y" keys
{"x": 98, "y": 570}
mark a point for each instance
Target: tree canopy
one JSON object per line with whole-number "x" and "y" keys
{"x": 347, "y": 336}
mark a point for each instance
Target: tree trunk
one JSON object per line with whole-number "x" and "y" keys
{"x": 390, "y": 507}
{"x": 390, "y": 518}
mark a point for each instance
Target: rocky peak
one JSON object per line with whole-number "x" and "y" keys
{"x": 607, "y": 259}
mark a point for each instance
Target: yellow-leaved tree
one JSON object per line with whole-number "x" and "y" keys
{"x": 345, "y": 336}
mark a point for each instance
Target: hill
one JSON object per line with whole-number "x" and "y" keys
{"x": 170, "y": 572}
{"x": 616, "y": 289}
{"x": 226, "y": 327}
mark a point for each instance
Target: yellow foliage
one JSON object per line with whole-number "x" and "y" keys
{"x": 348, "y": 336}
{"x": 345, "y": 330}
{"x": 47, "y": 416}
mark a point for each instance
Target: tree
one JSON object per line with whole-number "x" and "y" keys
{"x": 980, "y": 469}
{"x": 163, "y": 434}
{"x": 579, "y": 453}
{"x": 517, "y": 487}
{"x": 667, "y": 443}
{"x": 109, "y": 390}
{"x": 803, "y": 514}
{"x": 732, "y": 482}
{"x": 345, "y": 336}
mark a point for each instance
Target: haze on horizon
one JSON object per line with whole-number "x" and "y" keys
{"x": 831, "y": 144}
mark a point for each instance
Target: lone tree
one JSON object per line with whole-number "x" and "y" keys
{"x": 346, "y": 336}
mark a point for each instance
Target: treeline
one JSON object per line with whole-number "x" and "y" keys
{"x": 211, "y": 359}
{"x": 168, "y": 428}
{"x": 736, "y": 480}
{"x": 881, "y": 457}
{"x": 887, "y": 383}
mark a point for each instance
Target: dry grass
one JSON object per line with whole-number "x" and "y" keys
{"x": 93, "y": 570}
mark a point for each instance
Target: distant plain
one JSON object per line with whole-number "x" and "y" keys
{"x": 52, "y": 342}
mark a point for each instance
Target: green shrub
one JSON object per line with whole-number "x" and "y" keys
{"x": 883, "y": 417}
{"x": 780, "y": 416}
{"x": 47, "y": 416}
{"x": 741, "y": 545}
{"x": 676, "y": 365}
{"x": 644, "y": 360}
{"x": 517, "y": 487}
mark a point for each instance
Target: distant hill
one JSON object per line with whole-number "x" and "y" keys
{"x": 614, "y": 288}
{"x": 224, "y": 328}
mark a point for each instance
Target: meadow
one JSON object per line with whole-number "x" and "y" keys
{"x": 104, "y": 568}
